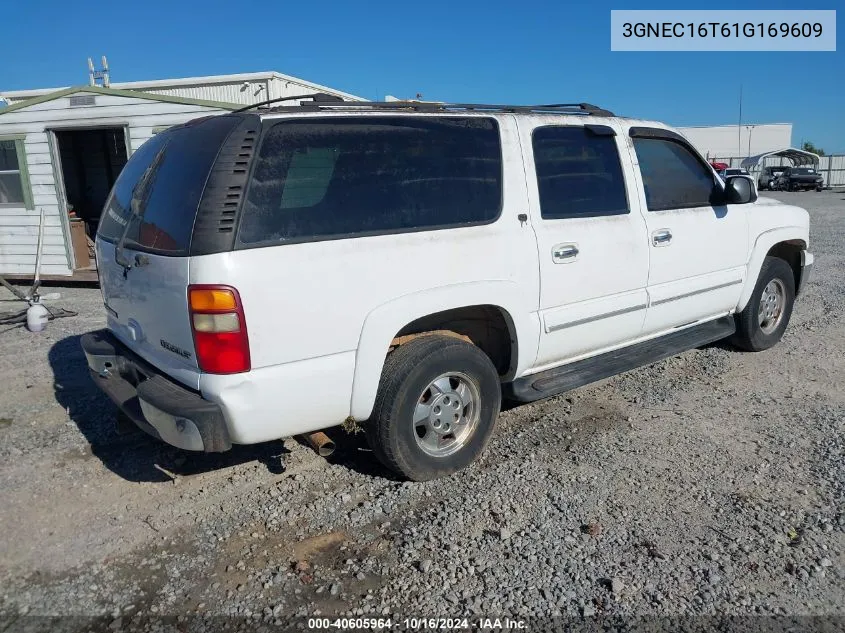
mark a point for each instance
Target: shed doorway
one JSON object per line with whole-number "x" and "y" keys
{"x": 91, "y": 160}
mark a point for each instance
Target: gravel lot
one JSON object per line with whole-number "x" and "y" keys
{"x": 709, "y": 484}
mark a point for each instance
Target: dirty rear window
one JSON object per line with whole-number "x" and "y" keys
{"x": 159, "y": 189}
{"x": 335, "y": 177}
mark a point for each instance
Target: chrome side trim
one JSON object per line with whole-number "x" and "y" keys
{"x": 697, "y": 292}
{"x": 607, "y": 315}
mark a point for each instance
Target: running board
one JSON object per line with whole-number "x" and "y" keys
{"x": 583, "y": 372}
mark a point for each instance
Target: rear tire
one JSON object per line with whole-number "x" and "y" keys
{"x": 436, "y": 407}
{"x": 762, "y": 322}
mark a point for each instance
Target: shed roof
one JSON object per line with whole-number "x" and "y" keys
{"x": 797, "y": 157}
{"x": 130, "y": 94}
{"x": 190, "y": 82}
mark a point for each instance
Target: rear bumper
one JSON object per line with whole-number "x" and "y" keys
{"x": 156, "y": 404}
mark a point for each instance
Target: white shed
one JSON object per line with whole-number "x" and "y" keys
{"x": 61, "y": 152}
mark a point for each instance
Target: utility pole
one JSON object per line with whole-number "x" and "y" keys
{"x": 750, "y": 129}
{"x": 739, "y": 126}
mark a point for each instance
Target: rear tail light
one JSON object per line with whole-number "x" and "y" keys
{"x": 219, "y": 327}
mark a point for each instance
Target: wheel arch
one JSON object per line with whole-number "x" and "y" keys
{"x": 437, "y": 309}
{"x": 786, "y": 243}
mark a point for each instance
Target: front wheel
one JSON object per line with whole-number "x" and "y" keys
{"x": 762, "y": 322}
{"x": 436, "y": 406}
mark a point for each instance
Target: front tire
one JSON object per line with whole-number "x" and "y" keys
{"x": 762, "y": 322}
{"x": 436, "y": 407}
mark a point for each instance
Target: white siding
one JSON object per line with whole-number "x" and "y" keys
{"x": 246, "y": 88}
{"x": 246, "y": 92}
{"x": 241, "y": 92}
{"x": 727, "y": 140}
{"x": 19, "y": 226}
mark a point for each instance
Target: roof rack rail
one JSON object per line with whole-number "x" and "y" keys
{"x": 436, "y": 106}
{"x": 316, "y": 97}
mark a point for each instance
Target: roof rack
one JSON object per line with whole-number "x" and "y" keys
{"x": 321, "y": 101}
{"x": 316, "y": 97}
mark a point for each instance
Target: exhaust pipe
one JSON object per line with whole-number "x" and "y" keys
{"x": 320, "y": 442}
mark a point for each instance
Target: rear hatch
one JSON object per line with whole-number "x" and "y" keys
{"x": 144, "y": 243}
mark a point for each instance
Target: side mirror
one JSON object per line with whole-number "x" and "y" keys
{"x": 739, "y": 190}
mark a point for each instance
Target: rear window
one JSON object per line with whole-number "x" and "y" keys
{"x": 335, "y": 177}
{"x": 159, "y": 189}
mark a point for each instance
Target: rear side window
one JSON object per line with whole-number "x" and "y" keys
{"x": 578, "y": 173}
{"x": 673, "y": 177}
{"x": 159, "y": 189}
{"x": 336, "y": 177}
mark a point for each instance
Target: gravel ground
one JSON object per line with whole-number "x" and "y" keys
{"x": 710, "y": 484}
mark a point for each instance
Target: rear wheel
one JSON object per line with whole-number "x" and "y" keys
{"x": 436, "y": 406}
{"x": 762, "y": 322}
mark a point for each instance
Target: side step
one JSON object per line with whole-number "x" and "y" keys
{"x": 583, "y": 372}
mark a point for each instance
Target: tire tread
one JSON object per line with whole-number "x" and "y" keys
{"x": 380, "y": 429}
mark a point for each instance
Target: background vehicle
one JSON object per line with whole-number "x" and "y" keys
{"x": 767, "y": 177}
{"x": 406, "y": 265}
{"x": 799, "y": 179}
{"x": 732, "y": 171}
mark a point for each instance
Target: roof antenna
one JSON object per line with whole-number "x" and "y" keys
{"x": 94, "y": 75}
{"x": 106, "y": 79}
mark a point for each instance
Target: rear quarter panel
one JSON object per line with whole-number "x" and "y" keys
{"x": 311, "y": 300}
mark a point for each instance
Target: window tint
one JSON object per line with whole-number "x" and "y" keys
{"x": 163, "y": 181}
{"x": 578, "y": 173}
{"x": 673, "y": 177}
{"x": 330, "y": 177}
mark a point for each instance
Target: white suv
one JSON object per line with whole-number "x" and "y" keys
{"x": 406, "y": 265}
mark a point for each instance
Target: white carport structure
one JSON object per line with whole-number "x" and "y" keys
{"x": 796, "y": 158}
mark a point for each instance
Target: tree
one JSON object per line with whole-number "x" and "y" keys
{"x": 809, "y": 147}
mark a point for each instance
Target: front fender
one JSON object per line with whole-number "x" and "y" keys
{"x": 765, "y": 241}
{"x": 384, "y": 322}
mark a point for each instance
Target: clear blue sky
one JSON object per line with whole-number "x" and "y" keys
{"x": 483, "y": 51}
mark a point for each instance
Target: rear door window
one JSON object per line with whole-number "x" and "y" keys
{"x": 159, "y": 189}
{"x": 578, "y": 173}
{"x": 323, "y": 178}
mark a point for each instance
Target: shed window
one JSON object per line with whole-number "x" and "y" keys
{"x": 14, "y": 181}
